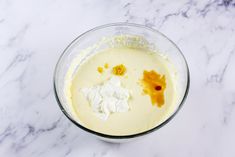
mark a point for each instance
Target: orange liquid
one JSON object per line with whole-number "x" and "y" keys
{"x": 154, "y": 85}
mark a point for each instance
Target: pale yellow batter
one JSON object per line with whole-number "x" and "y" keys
{"x": 142, "y": 114}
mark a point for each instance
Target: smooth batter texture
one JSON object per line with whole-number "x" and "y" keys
{"x": 142, "y": 115}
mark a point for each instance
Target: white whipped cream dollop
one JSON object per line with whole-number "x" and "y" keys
{"x": 107, "y": 98}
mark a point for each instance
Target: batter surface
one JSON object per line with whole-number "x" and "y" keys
{"x": 142, "y": 114}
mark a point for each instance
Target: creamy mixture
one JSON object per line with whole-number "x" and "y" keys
{"x": 112, "y": 92}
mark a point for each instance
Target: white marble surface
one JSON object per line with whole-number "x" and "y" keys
{"x": 34, "y": 33}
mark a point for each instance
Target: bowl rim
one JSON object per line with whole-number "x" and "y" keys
{"x": 120, "y": 136}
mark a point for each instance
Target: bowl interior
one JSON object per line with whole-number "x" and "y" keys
{"x": 115, "y": 35}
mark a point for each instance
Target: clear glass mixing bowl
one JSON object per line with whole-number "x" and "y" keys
{"x": 155, "y": 40}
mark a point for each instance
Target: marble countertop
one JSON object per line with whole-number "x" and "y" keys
{"x": 34, "y": 33}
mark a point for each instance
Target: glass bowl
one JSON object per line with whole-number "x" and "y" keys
{"x": 155, "y": 40}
